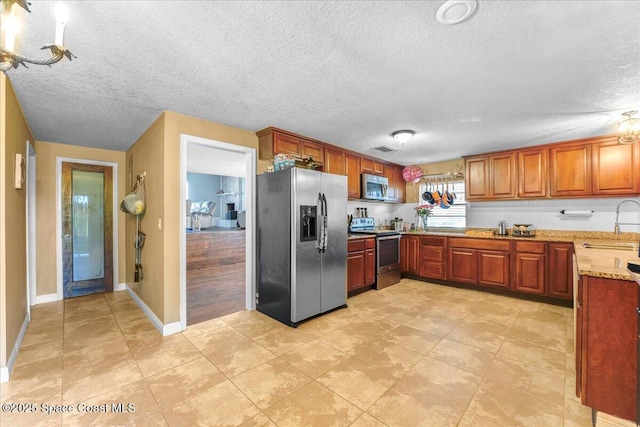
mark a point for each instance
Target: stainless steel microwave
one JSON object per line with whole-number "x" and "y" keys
{"x": 374, "y": 187}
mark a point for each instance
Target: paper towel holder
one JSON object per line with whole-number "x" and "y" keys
{"x": 575, "y": 213}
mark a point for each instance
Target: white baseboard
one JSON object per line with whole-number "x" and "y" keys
{"x": 606, "y": 420}
{"x": 6, "y": 371}
{"x": 168, "y": 329}
{"x": 42, "y": 299}
{"x": 120, "y": 287}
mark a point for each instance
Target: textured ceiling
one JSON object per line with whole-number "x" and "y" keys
{"x": 349, "y": 73}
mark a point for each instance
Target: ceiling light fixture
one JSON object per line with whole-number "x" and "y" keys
{"x": 403, "y": 136}
{"x": 456, "y": 11}
{"x": 10, "y": 59}
{"x": 629, "y": 129}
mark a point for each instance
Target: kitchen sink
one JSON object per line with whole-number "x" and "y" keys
{"x": 621, "y": 246}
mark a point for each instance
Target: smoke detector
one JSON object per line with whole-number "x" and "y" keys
{"x": 456, "y": 11}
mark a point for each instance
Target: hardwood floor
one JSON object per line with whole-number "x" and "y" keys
{"x": 215, "y": 274}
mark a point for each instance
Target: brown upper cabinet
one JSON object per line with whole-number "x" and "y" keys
{"x": 532, "y": 173}
{"x": 371, "y": 166}
{"x": 272, "y": 141}
{"x": 352, "y": 164}
{"x": 570, "y": 170}
{"x": 334, "y": 161}
{"x": 581, "y": 168}
{"x": 491, "y": 177}
{"x": 615, "y": 168}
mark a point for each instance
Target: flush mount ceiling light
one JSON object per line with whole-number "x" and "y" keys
{"x": 10, "y": 59}
{"x": 456, "y": 11}
{"x": 629, "y": 129}
{"x": 403, "y": 136}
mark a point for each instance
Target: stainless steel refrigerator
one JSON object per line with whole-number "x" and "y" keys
{"x": 302, "y": 244}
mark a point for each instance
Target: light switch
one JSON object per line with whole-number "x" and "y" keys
{"x": 159, "y": 223}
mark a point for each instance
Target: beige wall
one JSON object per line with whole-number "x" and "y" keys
{"x": 175, "y": 125}
{"x": 412, "y": 191}
{"x": 147, "y": 154}
{"x": 14, "y": 132}
{"x": 46, "y": 255}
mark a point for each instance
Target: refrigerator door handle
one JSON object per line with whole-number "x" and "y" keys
{"x": 320, "y": 224}
{"x": 325, "y": 222}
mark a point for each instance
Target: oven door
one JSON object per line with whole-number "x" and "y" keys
{"x": 388, "y": 250}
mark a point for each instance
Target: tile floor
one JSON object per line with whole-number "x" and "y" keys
{"x": 412, "y": 354}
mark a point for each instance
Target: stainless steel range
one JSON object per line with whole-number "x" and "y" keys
{"x": 387, "y": 251}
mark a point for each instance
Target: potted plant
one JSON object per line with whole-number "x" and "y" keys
{"x": 424, "y": 212}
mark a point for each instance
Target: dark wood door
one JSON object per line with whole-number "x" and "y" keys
{"x": 353, "y": 176}
{"x": 477, "y": 178}
{"x": 87, "y": 229}
{"x": 366, "y": 165}
{"x": 560, "y": 276}
{"x": 390, "y": 173}
{"x": 529, "y": 273}
{"x": 404, "y": 253}
{"x": 570, "y": 167}
{"x": 378, "y": 168}
{"x": 462, "y": 265}
{"x": 532, "y": 173}
{"x": 616, "y": 168}
{"x": 493, "y": 268}
{"x": 370, "y": 267}
{"x": 503, "y": 176}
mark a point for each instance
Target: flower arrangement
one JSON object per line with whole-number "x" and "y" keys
{"x": 424, "y": 210}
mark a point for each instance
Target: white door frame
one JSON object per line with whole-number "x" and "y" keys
{"x": 59, "y": 161}
{"x": 250, "y": 234}
{"x": 31, "y": 227}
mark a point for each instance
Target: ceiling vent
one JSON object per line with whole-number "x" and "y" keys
{"x": 385, "y": 149}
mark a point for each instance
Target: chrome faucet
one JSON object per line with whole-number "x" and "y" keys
{"x": 616, "y": 228}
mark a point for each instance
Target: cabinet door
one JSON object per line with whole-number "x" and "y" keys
{"x": 477, "y": 178}
{"x": 493, "y": 268}
{"x": 532, "y": 173}
{"x": 390, "y": 173}
{"x": 353, "y": 176}
{"x": 404, "y": 253}
{"x": 313, "y": 150}
{"x": 570, "y": 167}
{"x": 286, "y": 144}
{"x": 355, "y": 270}
{"x": 366, "y": 165}
{"x": 400, "y": 186}
{"x": 370, "y": 267}
{"x": 462, "y": 265}
{"x": 413, "y": 266}
{"x": 560, "y": 282}
{"x": 503, "y": 176}
{"x": 378, "y": 168}
{"x": 529, "y": 273}
{"x": 616, "y": 168}
{"x": 334, "y": 161}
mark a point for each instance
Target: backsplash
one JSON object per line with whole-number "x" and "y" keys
{"x": 543, "y": 214}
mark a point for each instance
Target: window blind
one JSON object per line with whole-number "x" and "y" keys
{"x": 456, "y": 215}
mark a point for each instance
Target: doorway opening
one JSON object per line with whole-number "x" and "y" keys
{"x": 217, "y": 236}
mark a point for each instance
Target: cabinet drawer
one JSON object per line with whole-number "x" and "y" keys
{"x": 432, "y": 241}
{"x": 431, "y": 254}
{"x": 370, "y": 243}
{"x": 356, "y": 245}
{"x": 434, "y": 270}
{"x": 531, "y": 247}
{"x": 489, "y": 244}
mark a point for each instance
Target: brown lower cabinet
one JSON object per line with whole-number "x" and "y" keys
{"x": 361, "y": 263}
{"x": 533, "y": 267}
{"x": 606, "y": 337}
{"x": 479, "y": 262}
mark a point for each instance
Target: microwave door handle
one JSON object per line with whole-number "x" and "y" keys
{"x": 384, "y": 190}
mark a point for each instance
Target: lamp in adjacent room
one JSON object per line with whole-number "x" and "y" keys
{"x": 9, "y": 58}
{"x": 403, "y": 136}
{"x": 629, "y": 129}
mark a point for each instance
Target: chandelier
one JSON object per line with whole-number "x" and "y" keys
{"x": 629, "y": 129}
{"x": 9, "y": 58}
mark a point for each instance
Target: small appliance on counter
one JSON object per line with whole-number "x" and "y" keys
{"x": 523, "y": 230}
{"x": 502, "y": 228}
